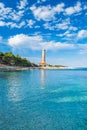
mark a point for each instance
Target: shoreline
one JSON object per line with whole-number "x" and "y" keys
{"x": 18, "y": 68}
{"x": 15, "y": 68}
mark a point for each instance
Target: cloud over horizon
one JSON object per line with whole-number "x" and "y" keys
{"x": 34, "y": 25}
{"x": 38, "y": 42}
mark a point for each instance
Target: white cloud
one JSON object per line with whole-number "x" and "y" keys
{"x": 25, "y": 41}
{"x": 46, "y": 13}
{"x": 73, "y": 28}
{"x": 2, "y": 23}
{"x": 1, "y": 38}
{"x": 30, "y": 23}
{"x": 64, "y": 25}
{"x": 67, "y": 35}
{"x": 72, "y": 10}
{"x": 1, "y": 5}
{"x": 59, "y": 8}
{"x": 48, "y": 26}
{"x": 36, "y": 43}
{"x": 82, "y": 34}
{"x": 12, "y": 24}
{"x": 16, "y": 16}
{"x": 4, "y": 11}
{"x": 12, "y": 17}
{"x": 37, "y": 26}
{"x": 43, "y": 12}
{"x": 85, "y": 7}
{"x": 22, "y": 4}
{"x": 40, "y": 1}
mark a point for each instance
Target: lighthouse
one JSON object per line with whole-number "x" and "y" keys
{"x": 43, "y": 56}
{"x": 43, "y": 62}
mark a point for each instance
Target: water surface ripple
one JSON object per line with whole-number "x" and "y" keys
{"x": 43, "y": 100}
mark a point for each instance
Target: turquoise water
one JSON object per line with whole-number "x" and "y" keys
{"x": 43, "y": 100}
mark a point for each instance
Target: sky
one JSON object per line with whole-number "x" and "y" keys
{"x": 58, "y": 26}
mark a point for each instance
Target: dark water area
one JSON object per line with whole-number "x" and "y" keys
{"x": 43, "y": 100}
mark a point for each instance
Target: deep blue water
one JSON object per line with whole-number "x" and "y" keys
{"x": 43, "y": 100}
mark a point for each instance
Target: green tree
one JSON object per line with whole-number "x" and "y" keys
{"x": 1, "y": 55}
{"x": 9, "y": 59}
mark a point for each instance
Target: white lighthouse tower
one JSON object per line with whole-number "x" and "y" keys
{"x": 43, "y": 62}
{"x": 43, "y": 56}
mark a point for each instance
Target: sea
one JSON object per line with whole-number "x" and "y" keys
{"x": 43, "y": 100}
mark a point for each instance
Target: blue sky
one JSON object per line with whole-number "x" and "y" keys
{"x": 59, "y": 26}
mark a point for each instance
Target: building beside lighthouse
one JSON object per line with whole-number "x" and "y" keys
{"x": 43, "y": 62}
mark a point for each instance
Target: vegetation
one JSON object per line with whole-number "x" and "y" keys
{"x": 60, "y": 66}
{"x": 9, "y": 59}
{"x": 50, "y": 65}
{"x": 57, "y": 66}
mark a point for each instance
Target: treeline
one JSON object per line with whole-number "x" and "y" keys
{"x": 8, "y": 58}
{"x": 57, "y": 66}
{"x": 60, "y": 66}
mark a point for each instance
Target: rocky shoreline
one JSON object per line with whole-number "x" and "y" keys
{"x": 17, "y": 68}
